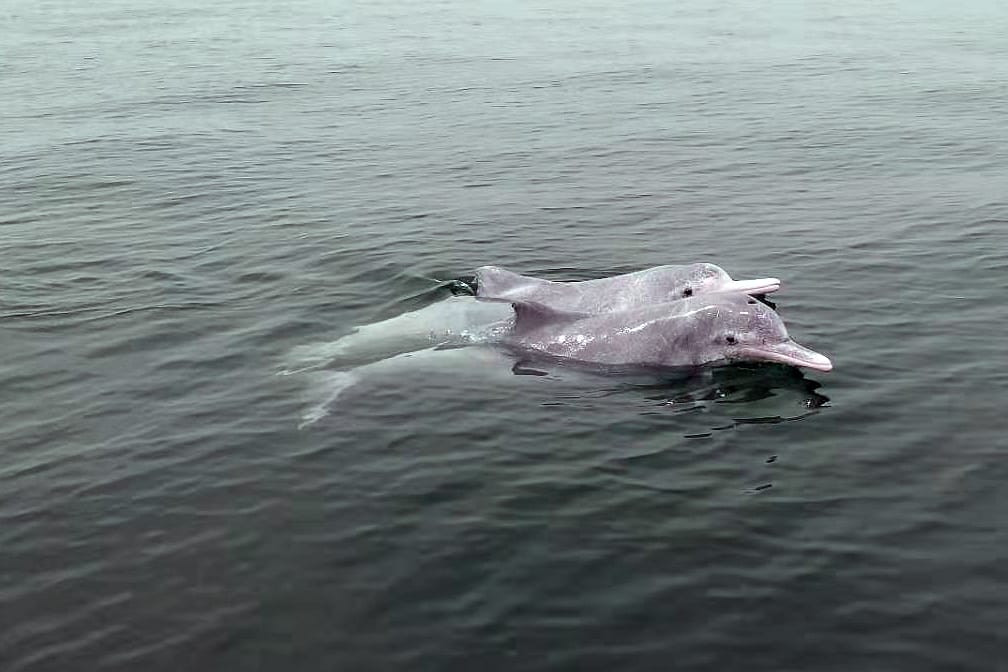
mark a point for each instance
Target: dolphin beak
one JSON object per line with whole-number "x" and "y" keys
{"x": 789, "y": 352}
{"x": 758, "y": 286}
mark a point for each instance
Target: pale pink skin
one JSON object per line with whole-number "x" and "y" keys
{"x": 629, "y": 291}
{"x": 719, "y": 327}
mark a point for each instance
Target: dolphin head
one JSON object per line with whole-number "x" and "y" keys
{"x": 736, "y": 327}
{"x": 705, "y": 278}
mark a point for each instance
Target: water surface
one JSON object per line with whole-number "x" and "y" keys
{"x": 195, "y": 196}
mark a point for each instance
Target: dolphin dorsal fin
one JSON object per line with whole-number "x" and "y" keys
{"x": 494, "y": 282}
{"x": 530, "y": 315}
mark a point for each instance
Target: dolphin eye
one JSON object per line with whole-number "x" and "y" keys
{"x": 688, "y": 292}
{"x": 730, "y": 339}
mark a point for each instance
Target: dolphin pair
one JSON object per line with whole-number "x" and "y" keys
{"x": 662, "y": 316}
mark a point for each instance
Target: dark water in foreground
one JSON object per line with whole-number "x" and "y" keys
{"x": 195, "y": 195}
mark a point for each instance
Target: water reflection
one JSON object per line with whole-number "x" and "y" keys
{"x": 736, "y": 394}
{"x": 743, "y": 386}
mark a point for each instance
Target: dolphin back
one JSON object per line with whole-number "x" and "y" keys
{"x": 616, "y": 293}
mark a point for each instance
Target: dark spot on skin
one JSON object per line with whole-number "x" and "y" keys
{"x": 730, "y": 339}
{"x": 688, "y": 292}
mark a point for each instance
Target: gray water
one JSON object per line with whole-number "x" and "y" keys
{"x": 198, "y": 201}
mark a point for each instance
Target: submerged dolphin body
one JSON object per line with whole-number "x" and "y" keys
{"x": 690, "y": 332}
{"x": 629, "y": 291}
{"x": 453, "y": 321}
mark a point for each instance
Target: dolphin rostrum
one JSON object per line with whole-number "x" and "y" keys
{"x": 650, "y": 286}
{"x": 719, "y": 327}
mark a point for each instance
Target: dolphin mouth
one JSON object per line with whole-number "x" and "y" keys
{"x": 757, "y": 286}
{"x": 789, "y": 352}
